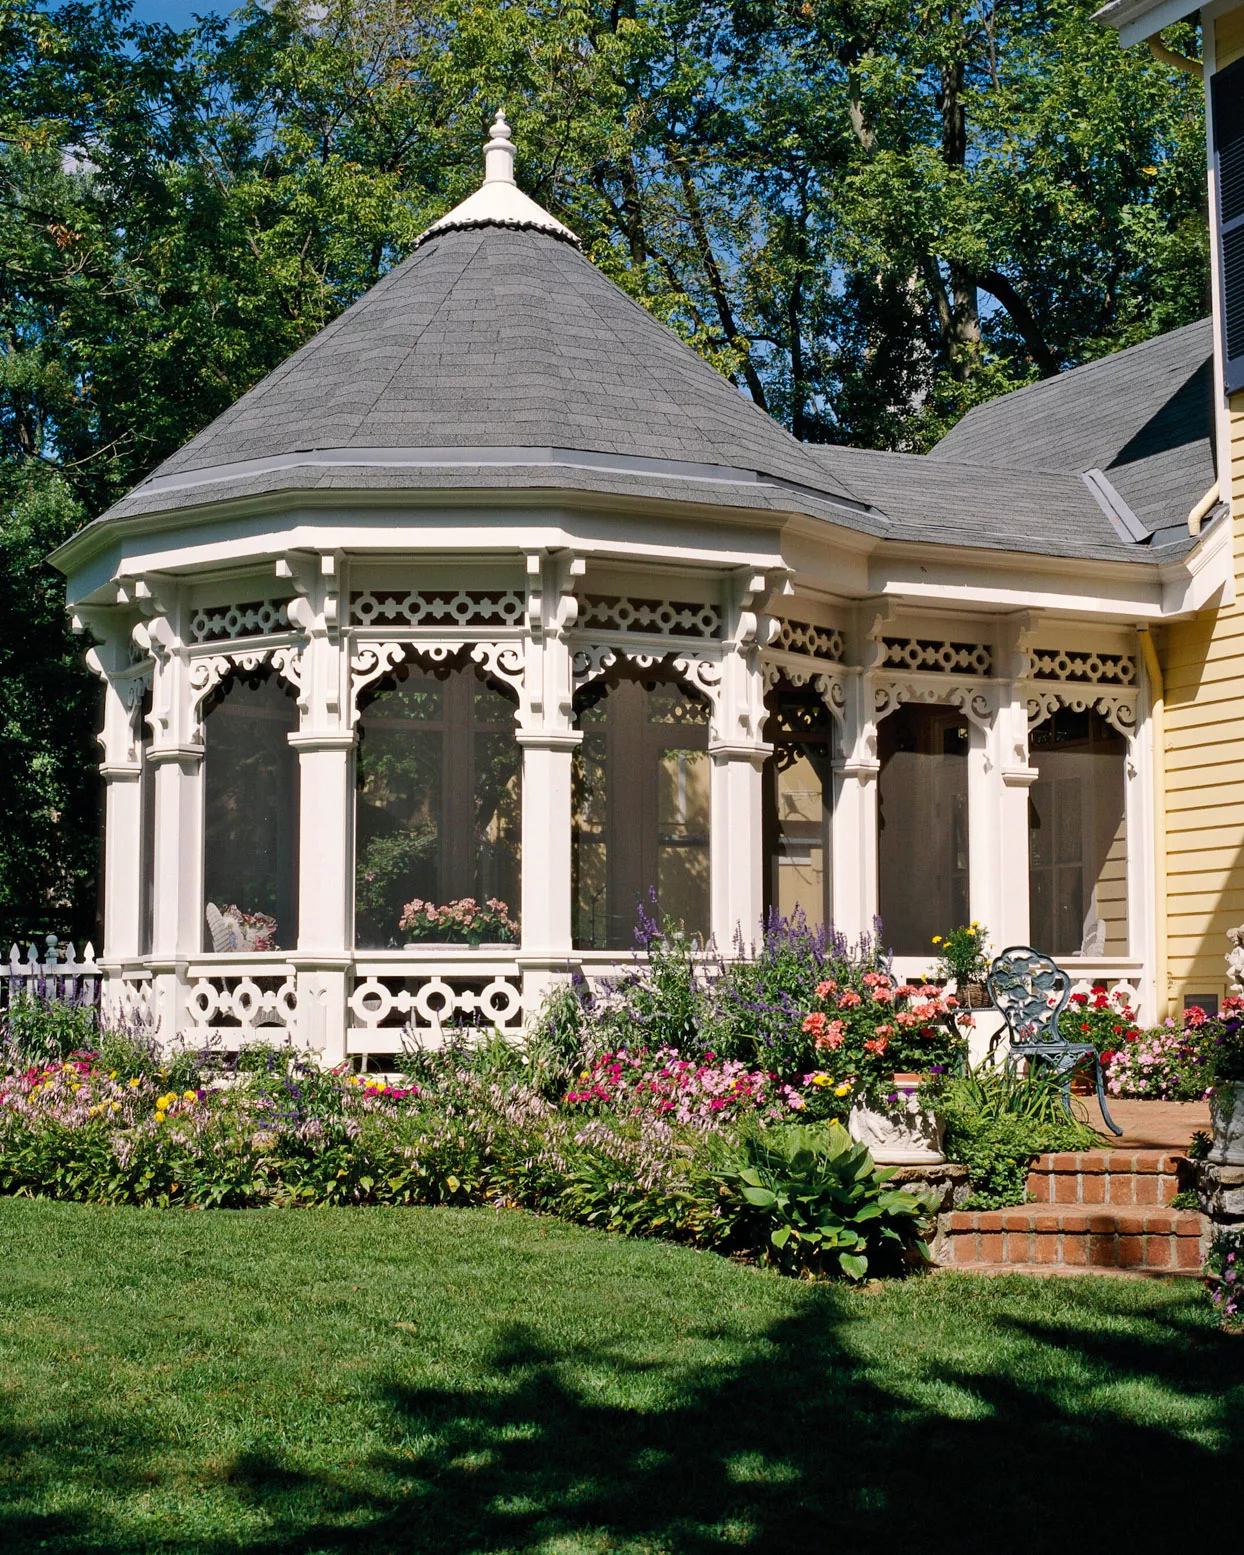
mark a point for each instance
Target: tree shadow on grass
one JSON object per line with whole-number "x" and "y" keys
{"x": 807, "y": 1445}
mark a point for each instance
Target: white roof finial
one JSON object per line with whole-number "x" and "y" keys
{"x": 499, "y": 153}
{"x": 499, "y": 202}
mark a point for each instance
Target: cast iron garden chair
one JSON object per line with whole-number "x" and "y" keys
{"x": 1031, "y": 991}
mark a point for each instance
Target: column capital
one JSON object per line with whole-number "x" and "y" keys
{"x": 121, "y": 771}
{"x": 184, "y": 752}
{"x": 735, "y": 750}
{"x": 323, "y": 739}
{"x": 550, "y": 739}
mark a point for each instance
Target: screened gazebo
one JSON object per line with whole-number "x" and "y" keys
{"x": 496, "y": 617}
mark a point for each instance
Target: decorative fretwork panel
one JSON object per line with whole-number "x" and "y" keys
{"x": 816, "y": 642}
{"x": 1096, "y": 669}
{"x": 657, "y": 617}
{"x": 437, "y": 607}
{"x": 130, "y": 1001}
{"x": 227, "y": 623}
{"x": 431, "y": 1004}
{"x": 237, "y": 1008}
{"x": 939, "y": 658}
{"x": 1116, "y": 707}
{"x": 702, "y": 674}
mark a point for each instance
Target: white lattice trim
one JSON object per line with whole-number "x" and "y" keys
{"x": 240, "y": 1005}
{"x": 1116, "y": 669}
{"x": 938, "y": 658}
{"x": 811, "y": 641}
{"x": 659, "y": 617}
{"x": 130, "y": 1001}
{"x": 438, "y": 607}
{"x": 224, "y": 623}
{"x": 1118, "y": 708}
{"x": 427, "y": 1004}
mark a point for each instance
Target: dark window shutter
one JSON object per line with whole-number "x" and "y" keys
{"x": 1227, "y": 91}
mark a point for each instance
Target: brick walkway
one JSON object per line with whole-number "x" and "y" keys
{"x": 1151, "y": 1125}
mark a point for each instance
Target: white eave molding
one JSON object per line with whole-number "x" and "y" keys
{"x": 1136, "y": 20}
{"x": 1204, "y": 578}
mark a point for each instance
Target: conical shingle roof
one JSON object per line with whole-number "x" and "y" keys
{"x": 496, "y": 338}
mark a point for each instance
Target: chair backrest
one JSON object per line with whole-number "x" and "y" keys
{"x": 1094, "y": 941}
{"x": 1031, "y": 991}
{"x": 226, "y": 936}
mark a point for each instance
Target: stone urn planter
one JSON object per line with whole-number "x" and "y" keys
{"x": 1227, "y": 1111}
{"x": 908, "y": 1133}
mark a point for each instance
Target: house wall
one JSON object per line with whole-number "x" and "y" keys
{"x": 1203, "y": 665}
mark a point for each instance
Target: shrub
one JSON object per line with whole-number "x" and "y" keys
{"x": 820, "y": 1203}
{"x": 702, "y": 1094}
{"x": 1167, "y": 1063}
{"x": 996, "y": 1121}
{"x": 40, "y": 1030}
{"x": 1107, "y": 1020}
{"x": 1224, "y": 1273}
{"x": 558, "y": 1043}
{"x": 759, "y": 1000}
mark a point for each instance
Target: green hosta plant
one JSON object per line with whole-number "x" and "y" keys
{"x": 821, "y": 1203}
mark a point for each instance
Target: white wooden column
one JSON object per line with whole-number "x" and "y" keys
{"x": 325, "y": 742}
{"x": 738, "y": 753}
{"x": 854, "y": 820}
{"x": 549, "y": 740}
{"x": 121, "y": 770}
{"x": 176, "y": 753}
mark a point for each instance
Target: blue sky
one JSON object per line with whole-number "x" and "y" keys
{"x": 179, "y": 13}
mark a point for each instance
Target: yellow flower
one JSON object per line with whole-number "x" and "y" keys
{"x": 116, "y": 1106}
{"x": 821, "y": 1079}
{"x": 841, "y": 1090}
{"x": 189, "y": 1096}
{"x": 937, "y": 939}
{"x": 113, "y": 1075}
{"x": 135, "y": 1082}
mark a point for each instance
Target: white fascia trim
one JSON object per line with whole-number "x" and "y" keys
{"x": 1136, "y": 20}
{"x": 1019, "y": 581}
{"x": 1203, "y": 579}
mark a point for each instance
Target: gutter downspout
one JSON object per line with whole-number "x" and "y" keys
{"x": 1159, "y": 50}
{"x": 1198, "y": 513}
{"x": 1157, "y": 720}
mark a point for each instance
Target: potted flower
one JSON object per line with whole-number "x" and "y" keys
{"x": 963, "y": 959}
{"x": 891, "y": 1043}
{"x": 1225, "y": 1063}
{"x": 464, "y": 922}
{"x": 251, "y": 931}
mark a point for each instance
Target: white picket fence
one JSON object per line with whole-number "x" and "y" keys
{"x": 58, "y": 975}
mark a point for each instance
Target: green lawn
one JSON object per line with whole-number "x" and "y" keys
{"x": 465, "y": 1380}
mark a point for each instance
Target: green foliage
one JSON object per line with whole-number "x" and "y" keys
{"x": 996, "y": 1121}
{"x": 820, "y": 1202}
{"x": 1186, "y": 1198}
{"x": 1200, "y": 1145}
{"x": 46, "y": 1031}
{"x": 869, "y": 219}
{"x": 560, "y": 1041}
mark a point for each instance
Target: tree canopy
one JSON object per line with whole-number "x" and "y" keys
{"x": 868, "y": 215}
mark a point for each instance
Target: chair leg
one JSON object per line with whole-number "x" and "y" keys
{"x": 1101, "y": 1098}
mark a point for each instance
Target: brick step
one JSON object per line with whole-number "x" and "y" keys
{"x": 1131, "y": 1177}
{"x": 1092, "y": 1236}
